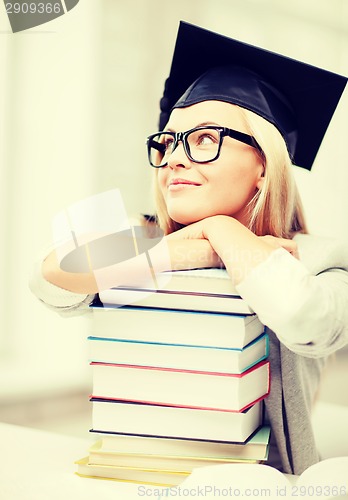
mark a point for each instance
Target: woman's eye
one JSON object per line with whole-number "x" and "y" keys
{"x": 206, "y": 140}
{"x": 168, "y": 143}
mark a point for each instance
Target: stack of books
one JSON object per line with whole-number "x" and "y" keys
{"x": 178, "y": 380}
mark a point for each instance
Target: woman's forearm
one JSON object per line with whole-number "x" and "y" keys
{"x": 169, "y": 254}
{"x": 74, "y": 282}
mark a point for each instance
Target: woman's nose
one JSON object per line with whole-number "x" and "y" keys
{"x": 178, "y": 157}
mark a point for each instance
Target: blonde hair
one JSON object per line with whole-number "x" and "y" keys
{"x": 276, "y": 208}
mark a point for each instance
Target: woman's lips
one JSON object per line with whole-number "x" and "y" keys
{"x": 178, "y": 184}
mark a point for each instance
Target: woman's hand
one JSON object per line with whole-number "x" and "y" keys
{"x": 194, "y": 231}
{"x": 190, "y": 248}
{"x": 289, "y": 245}
{"x": 238, "y": 248}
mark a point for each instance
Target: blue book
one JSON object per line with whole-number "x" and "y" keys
{"x": 179, "y": 356}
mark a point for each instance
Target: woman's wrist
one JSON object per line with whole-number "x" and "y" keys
{"x": 192, "y": 254}
{"x": 239, "y": 248}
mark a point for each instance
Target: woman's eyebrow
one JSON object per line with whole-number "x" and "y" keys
{"x": 202, "y": 124}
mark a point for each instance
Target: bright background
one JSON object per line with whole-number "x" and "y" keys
{"x": 78, "y": 96}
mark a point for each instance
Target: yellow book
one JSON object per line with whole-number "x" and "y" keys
{"x": 138, "y": 475}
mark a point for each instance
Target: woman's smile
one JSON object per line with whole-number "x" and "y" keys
{"x": 178, "y": 184}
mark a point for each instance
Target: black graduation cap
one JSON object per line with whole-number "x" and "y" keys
{"x": 299, "y": 99}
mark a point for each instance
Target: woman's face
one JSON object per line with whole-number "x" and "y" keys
{"x": 194, "y": 191}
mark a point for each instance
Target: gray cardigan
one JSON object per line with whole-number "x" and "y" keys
{"x": 305, "y": 307}
{"x": 304, "y": 304}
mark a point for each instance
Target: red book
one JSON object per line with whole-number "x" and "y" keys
{"x": 185, "y": 388}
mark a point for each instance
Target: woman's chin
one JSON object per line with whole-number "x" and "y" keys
{"x": 185, "y": 219}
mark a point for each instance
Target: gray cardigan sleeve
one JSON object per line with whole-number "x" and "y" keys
{"x": 62, "y": 301}
{"x": 304, "y": 302}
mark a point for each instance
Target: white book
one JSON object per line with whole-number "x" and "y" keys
{"x": 193, "y": 389}
{"x": 178, "y": 356}
{"x": 173, "y": 463}
{"x": 127, "y": 448}
{"x": 170, "y": 326}
{"x": 192, "y": 290}
{"x": 166, "y": 299}
{"x": 122, "y": 417}
{"x": 207, "y": 280}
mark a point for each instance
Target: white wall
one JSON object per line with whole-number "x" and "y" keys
{"x": 49, "y": 77}
{"x": 138, "y": 40}
{"x": 78, "y": 97}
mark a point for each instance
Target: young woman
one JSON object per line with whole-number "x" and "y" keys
{"x": 226, "y": 197}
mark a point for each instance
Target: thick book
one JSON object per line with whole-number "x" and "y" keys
{"x": 180, "y": 327}
{"x": 119, "y": 418}
{"x": 138, "y": 475}
{"x": 192, "y": 290}
{"x": 190, "y": 388}
{"x": 176, "y": 453}
{"x": 178, "y": 356}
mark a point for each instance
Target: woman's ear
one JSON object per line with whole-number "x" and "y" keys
{"x": 261, "y": 178}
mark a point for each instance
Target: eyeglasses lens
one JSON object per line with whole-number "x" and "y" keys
{"x": 202, "y": 145}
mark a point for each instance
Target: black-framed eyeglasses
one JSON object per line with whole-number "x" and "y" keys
{"x": 201, "y": 144}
